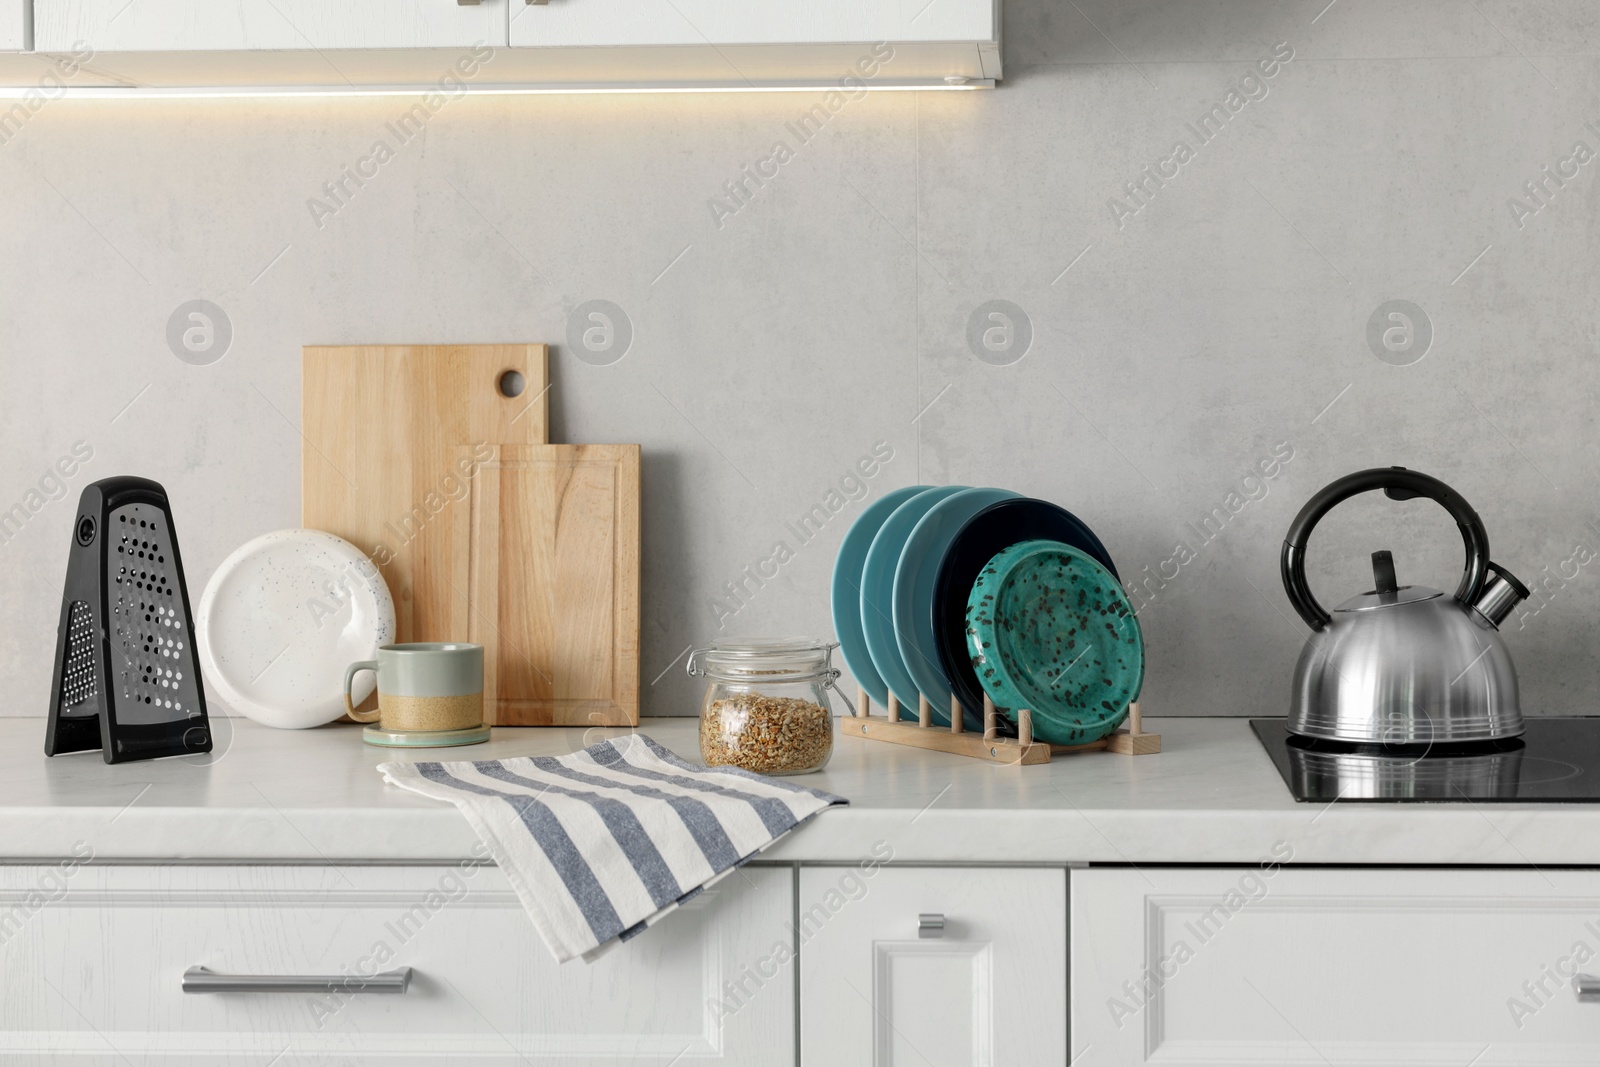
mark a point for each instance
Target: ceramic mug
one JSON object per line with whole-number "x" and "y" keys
{"x": 423, "y": 687}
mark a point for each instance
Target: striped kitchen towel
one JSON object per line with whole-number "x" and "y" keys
{"x": 602, "y": 843}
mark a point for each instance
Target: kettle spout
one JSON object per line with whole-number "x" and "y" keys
{"x": 1500, "y": 596}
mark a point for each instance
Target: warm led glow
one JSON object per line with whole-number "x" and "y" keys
{"x": 107, "y": 92}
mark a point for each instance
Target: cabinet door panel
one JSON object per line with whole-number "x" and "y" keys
{"x": 1333, "y": 967}
{"x": 700, "y": 22}
{"x": 243, "y": 25}
{"x": 989, "y": 992}
{"x": 13, "y": 25}
{"x": 91, "y": 964}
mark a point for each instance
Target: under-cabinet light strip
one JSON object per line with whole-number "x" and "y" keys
{"x": 110, "y": 92}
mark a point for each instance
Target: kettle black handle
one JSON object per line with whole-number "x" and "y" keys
{"x": 1398, "y": 483}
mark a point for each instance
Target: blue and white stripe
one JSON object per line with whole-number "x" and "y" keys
{"x": 601, "y": 843}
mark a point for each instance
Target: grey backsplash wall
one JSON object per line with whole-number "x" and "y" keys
{"x": 1179, "y": 342}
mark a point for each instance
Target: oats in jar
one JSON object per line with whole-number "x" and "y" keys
{"x": 766, "y": 734}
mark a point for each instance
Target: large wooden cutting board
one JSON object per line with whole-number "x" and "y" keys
{"x": 383, "y": 426}
{"x": 546, "y": 546}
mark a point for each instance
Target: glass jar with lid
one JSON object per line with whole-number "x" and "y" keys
{"x": 766, "y": 707}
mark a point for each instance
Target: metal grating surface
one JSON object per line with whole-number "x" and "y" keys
{"x": 80, "y": 682}
{"x": 156, "y": 674}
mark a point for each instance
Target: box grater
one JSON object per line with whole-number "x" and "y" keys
{"x": 127, "y": 680}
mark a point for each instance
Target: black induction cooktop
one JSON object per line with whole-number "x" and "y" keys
{"x": 1554, "y": 761}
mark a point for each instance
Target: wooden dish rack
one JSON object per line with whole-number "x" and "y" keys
{"x": 1022, "y": 749}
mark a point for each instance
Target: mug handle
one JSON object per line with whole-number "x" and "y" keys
{"x": 350, "y": 676}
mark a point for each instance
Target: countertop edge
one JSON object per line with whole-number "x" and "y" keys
{"x": 1456, "y": 835}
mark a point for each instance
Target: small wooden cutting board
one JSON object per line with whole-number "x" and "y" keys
{"x": 384, "y": 426}
{"x": 546, "y": 548}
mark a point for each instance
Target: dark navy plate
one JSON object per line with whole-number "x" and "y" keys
{"x": 988, "y": 533}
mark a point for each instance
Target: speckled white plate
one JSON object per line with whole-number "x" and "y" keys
{"x": 283, "y": 617}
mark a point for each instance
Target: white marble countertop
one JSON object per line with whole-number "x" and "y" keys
{"x": 1212, "y": 796}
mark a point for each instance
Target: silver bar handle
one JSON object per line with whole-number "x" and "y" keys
{"x": 205, "y": 980}
{"x": 1587, "y": 986}
{"x": 930, "y": 924}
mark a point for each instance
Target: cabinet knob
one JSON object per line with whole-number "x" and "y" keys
{"x": 931, "y": 924}
{"x": 1587, "y": 986}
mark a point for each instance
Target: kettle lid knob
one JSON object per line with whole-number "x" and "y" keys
{"x": 1383, "y": 579}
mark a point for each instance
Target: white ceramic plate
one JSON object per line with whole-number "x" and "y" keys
{"x": 283, "y": 617}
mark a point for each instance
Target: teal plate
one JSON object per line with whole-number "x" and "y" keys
{"x": 913, "y": 596}
{"x": 877, "y": 592}
{"x": 848, "y": 567}
{"x": 1050, "y": 630}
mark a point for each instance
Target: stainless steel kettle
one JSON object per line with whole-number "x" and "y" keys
{"x": 1404, "y": 665}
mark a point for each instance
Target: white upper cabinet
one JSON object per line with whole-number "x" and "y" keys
{"x": 585, "y": 23}
{"x": 250, "y": 25}
{"x": 13, "y": 25}
{"x": 563, "y": 44}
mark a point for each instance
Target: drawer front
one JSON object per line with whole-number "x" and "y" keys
{"x": 92, "y": 964}
{"x": 989, "y": 991}
{"x": 1330, "y": 967}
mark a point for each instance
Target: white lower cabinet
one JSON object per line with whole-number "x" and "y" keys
{"x": 898, "y": 966}
{"x": 1332, "y": 967}
{"x": 988, "y": 989}
{"x": 92, "y": 961}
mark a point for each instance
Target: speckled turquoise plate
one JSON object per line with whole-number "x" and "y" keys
{"x": 1050, "y": 630}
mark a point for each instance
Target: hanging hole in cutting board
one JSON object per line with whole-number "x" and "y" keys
{"x": 512, "y": 383}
